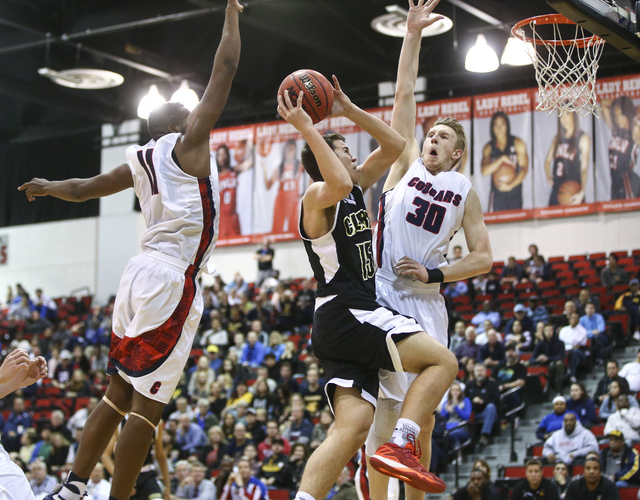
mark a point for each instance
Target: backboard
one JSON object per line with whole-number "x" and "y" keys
{"x": 612, "y": 20}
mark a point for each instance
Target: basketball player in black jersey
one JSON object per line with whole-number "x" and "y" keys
{"x": 568, "y": 158}
{"x": 352, "y": 335}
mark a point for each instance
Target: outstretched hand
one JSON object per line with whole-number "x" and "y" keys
{"x": 293, "y": 113}
{"x": 35, "y": 187}
{"x": 341, "y": 102}
{"x": 236, "y": 4}
{"x": 420, "y": 15}
{"x": 18, "y": 370}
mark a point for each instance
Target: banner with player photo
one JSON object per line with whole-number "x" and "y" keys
{"x": 233, "y": 150}
{"x": 563, "y": 176}
{"x": 280, "y": 181}
{"x": 618, "y": 144}
{"x": 502, "y": 139}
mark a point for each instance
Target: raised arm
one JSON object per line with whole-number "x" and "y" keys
{"x": 403, "y": 119}
{"x": 194, "y": 143}
{"x": 77, "y": 190}
{"x": 336, "y": 182}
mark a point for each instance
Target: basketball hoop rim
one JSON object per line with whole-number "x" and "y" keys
{"x": 553, "y": 19}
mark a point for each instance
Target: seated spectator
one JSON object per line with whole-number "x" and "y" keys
{"x": 189, "y": 437}
{"x": 554, "y": 420}
{"x": 561, "y": 477}
{"x": 511, "y": 273}
{"x": 625, "y": 419}
{"x": 629, "y": 302}
{"x": 534, "y": 486}
{"x": 593, "y": 323}
{"x": 575, "y": 339}
{"x": 198, "y": 487}
{"x": 584, "y": 297}
{"x": 456, "y": 289}
{"x": 520, "y": 314}
{"x": 255, "y": 430}
{"x": 251, "y": 454}
{"x": 243, "y": 484}
{"x": 539, "y": 271}
{"x": 297, "y": 429}
{"x": 631, "y": 372}
{"x": 20, "y": 310}
{"x": 582, "y": 405}
{"x": 551, "y": 352}
{"x": 41, "y": 482}
{"x": 478, "y": 488}
{"x": 569, "y": 444}
{"x": 272, "y": 469}
{"x": 98, "y": 488}
{"x": 204, "y": 417}
{"x": 313, "y": 394}
{"x": 611, "y": 274}
{"x": 276, "y": 344}
{"x": 592, "y": 484}
{"x": 59, "y": 451}
{"x": 297, "y": 461}
{"x": 533, "y": 253}
{"x": 519, "y": 337}
{"x": 455, "y": 410}
{"x": 603, "y": 384}
{"x": 564, "y": 318}
{"x": 211, "y": 453}
{"x": 182, "y": 408}
{"x": 79, "y": 418}
{"x": 510, "y": 374}
{"x": 240, "y": 393}
{"x": 181, "y": 477}
{"x": 286, "y": 377}
{"x": 217, "y": 398}
{"x": 79, "y": 386}
{"x": 253, "y": 352}
{"x": 468, "y": 350}
{"x": 467, "y": 371}
{"x": 485, "y": 399}
{"x": 27, "y": 444}
{"x": 608, "y": 406}
{"x": 64, "y": 371}
{"x": 239, "y": 441}
{"x": 457, "y": 338}
{"x": 343, "y": 488}
{"x": 216, "y": 335}
{"x": 620, "y": 462}
{"x": 486, "y": 313}
{"x": 321, "y": 429}
{"x": 536, "y": 311}
{"x": 487, "y": 284}
{"x": 492, "y": 353}
{"x": 18, "y": 421}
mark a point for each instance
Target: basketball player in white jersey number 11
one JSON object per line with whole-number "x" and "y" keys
{"x": 159, "y": 303}
{"x": 424, "y": 203}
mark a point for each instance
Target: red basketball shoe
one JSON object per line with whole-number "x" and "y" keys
{"x": 402, "y": 463}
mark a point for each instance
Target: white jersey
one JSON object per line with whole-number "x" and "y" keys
{"x": 419, "y": 216}
{"x": 177, "y": 207}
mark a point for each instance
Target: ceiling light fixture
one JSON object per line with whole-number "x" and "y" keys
{"x": 83, "y": 78}
{"x": 186, "y": 96}
{"x": 395, "y": 23}
{"x": 518, "y": 53}
{"x": 481, "y": 58}
{"x": 150, "y": 102}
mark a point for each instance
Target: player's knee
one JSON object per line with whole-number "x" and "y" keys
{"x": 450, "y": 364}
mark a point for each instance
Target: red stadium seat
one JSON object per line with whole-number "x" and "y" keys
{"x": 596, "y": 256}
{"x": 553, "y": 260}
{"x": 577, "y": 258}
{"x": 620, "y": 254}
{"x": 628, "y": 493}
{"x": 278, "y": 494}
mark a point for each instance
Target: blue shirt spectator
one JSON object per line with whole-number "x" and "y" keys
{"x": 536, "y": 311}
{"x": 554, "y": 420}
{"x": 582, "y": 405}
{"x": 253, "y": 352}
{"x": 592, "y": 321}
{"x": 486, "y": 313}
{"x": 189, "y": 436}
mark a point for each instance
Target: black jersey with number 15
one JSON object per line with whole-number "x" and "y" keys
{"x": 342, "y": 259}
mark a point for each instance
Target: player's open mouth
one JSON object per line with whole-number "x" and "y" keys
{"x": 433, "y": 153}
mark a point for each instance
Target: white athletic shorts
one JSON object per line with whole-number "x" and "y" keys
{"x": 424, "y": 303}
{"x": 156, "y": 314}
{"x": 13, "y": 483}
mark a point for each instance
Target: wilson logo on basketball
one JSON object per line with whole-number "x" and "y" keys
{"x": 155, "y": 387}
{"x": 311, "y": 87}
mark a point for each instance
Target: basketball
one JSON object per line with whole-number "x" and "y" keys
{"x": 566, "y": 191}
{"x": 505, "y": 174}
{"x": 316, "y": 90}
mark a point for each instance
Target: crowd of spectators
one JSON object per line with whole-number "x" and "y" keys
{"x": 251, "y": 406}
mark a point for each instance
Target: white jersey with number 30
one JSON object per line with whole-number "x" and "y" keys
{"x": 419, "y": 216}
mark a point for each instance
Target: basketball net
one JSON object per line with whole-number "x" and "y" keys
{"x": 565, "y": 69}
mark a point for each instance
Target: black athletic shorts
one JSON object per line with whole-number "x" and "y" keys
{"x": 147, "y": 487}
{"x": 353, "y": 337}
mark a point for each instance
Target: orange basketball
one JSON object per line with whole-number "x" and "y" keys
{"x": 505, "y": 173}
{"x": 316, "y": 90}
{"x": 566, "y": 191}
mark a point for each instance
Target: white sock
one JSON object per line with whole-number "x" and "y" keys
{"x": 403, "y": 428}
{"x": 301, "y": 495}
